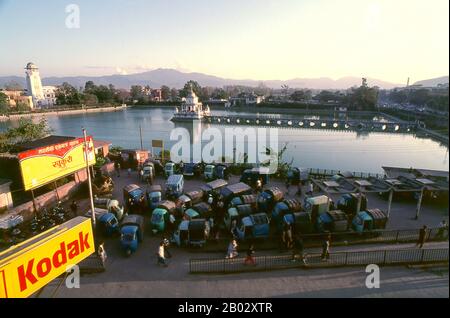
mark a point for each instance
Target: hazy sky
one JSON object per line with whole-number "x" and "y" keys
{"x": 258, "y": 39}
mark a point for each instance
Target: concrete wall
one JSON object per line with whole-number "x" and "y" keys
{"x": 64, "y": 192}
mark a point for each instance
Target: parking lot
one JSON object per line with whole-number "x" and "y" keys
{"x": 140, "y": 276}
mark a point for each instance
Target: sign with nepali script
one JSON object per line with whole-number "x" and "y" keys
{"x": 43, "y": 165}
{"x": 27, "y": 267}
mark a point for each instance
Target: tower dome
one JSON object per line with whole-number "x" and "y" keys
{"x": 31, "y": 65}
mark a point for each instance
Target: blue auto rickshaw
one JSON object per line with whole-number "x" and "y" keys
{"x": 300, "y": 221}
{"x": 190, "y": 214}
{"x": 254, "y": 226}
{"x": 131, "y": 233}
{"x": 237, "y": 213}
{"x": 169, "y": 169}
{"x": 107, "y": 222}
{"x": 234, "y": 190}
{"x": 198, "y": 232}
{"x": 154, "y": 196}
{"x": 181, "y": 235}
{"x": 268, "y": 198}
{"x": 134, "y": 198}
{"x": 281, "y": 209}
{"x": 174, "y": 186}
{"x": 369, "y": 220}
{"x": 161, "y": 216}
{"x": 209, "y": 172}
{"x": 332, "y": 221}
{"x": 348, "y": 203}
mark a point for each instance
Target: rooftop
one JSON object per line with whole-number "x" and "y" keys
{"x": 43, "y": 142}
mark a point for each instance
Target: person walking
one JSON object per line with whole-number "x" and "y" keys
{"x": 161, "y": 255}
{"x": 298, "y": 250}
{"x": 422, "y": 236}
{"x": 299, "y": 189}
{"x": 102, "y": 253}
{"x": 232, "y": 249}
{"x": 326, "y": 248}
{"x": 250, "y": 259}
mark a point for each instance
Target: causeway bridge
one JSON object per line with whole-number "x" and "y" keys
{"x": 315, "y": 123}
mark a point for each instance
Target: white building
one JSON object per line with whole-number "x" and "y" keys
{"x": 49, "y": 95}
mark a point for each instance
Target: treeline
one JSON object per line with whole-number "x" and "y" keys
{"x": 437, "y": 100}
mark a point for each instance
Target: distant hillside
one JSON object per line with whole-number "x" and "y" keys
{"x": 174, "y": 78}
{"x": 433, "y": 81}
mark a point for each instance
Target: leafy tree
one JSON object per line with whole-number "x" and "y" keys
{"x": 89, "y": 87}
{"x": 219, "y": 93}
{"x": 165, "y": 92}
{"x": 174, "y": 94}
{"x": 89, "y": 99}
{"x": 136, "y": 92}
{"x": 4, "y": 106}
{"x": 301, "y": 95}
{"x": 66, "y": 94}
{"x": 26, "y": 131}
{"x": 187, "y": 88}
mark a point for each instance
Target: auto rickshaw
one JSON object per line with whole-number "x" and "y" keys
{"x": 300, "y": 221}
{"x": 251, "y": 176}
{"x": 196, "y": 196}
{"x": 254, "y": 226}
{"x": 154, "y": 196}
{"x": 221, "y": 171}
{"x": 209, "y": 172}
{"x": 107, "y": 223}
{"x": 147, "y": 173}
{"x": 111, "y": 205}
{"x": 332, "y": 221}
{"x": 190, "y": 214}
{"x": 234, "y": 190}
{"x": 317, "y": 206}
{"x": 236, "y": 214}
{"x": 181, "y": 235}
{"x": 131, "y": 233}
{"x": 296, "y": 175}
{"x": 281, "y": 209}
{"x": 369, "y": 220}
{"x": 245, "y": 199}
{"x": 174, "y": 186}
{"x": 204, "y": 209}
{"x": 169, "y": 169}
{"x": 348, "y": 203}
{"x": 198, "y": 232}
{"x": 268, "y": 198}
{"x": 134, "y": 198}
{"x": 191, "y": 170}
{"x": 213, "y": 188}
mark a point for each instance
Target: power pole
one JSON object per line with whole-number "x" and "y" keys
{"x": 86, "y": 157}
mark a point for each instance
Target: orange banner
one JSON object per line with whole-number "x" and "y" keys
{"x": 42, "y": 165}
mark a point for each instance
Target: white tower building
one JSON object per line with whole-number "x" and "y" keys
{"x": 34, "y": 84}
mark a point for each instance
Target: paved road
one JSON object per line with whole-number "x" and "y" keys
{"x": 139, "y": 276}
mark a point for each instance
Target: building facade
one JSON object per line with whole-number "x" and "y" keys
{"x": 34, "y": 84}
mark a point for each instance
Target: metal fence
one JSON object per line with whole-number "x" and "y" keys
{"x": 330, "y": 172}
{"x": 337, "y": 239}
{"x": 355, "y": 258}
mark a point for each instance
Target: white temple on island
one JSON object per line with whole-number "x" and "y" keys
{"x": 190, "y": 109}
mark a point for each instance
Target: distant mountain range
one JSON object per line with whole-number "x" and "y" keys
{"x": 175, "y": 78}
{"x": 433, "y": 81}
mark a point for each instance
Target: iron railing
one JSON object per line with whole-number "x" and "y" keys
{"x": 412, "y": 256}
{"x": 337, "y": 239}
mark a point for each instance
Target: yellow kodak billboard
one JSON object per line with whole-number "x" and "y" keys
{"x": 42, "y": 165}
{"x": 29, "y": 266}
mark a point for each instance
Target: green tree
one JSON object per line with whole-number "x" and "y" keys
{"x": 191, "y": 85}
{"x": 174, "y": 94}
{"x": 26, "y": 131}
{"x": 165, "y": 92}
{"x": 89, "y": 87}
{"x": 136, "y": 92}
{"x": 4, "y": 106}
{"x": 301, "y": 95}
{"x": 66, "y": 94}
